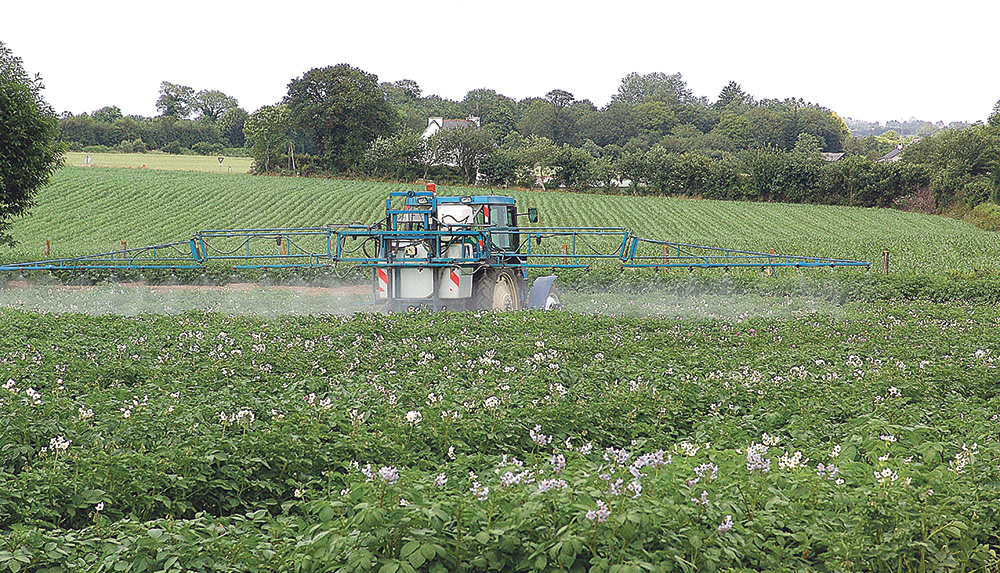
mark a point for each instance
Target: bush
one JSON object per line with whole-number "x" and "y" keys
{"x": 977, "y": 191}
{"x": 206, "y": 148}
{"x": 985, "y": 216}
{"x": 134, "y": 146}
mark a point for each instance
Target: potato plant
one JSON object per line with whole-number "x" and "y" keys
{"x": 860, "y": 439}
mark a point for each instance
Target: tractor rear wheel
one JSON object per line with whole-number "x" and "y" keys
{"x": 554, "y": 300}
{"x": 495, "y": 289}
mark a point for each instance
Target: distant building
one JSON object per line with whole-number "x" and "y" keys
{"x": 832, "y": 157}
{"x": 893, "y": 156}
{"x": 436, "y": 124}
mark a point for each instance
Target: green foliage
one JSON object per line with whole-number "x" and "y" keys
{"x": 464, "y": 147}
{"x": 267, "y": 134}
{"x": 985, "y": 215}
{"x": 231, "y": 126}
{"x": 108, "y": 114}
{"x": 28, "y": 152}
{"x": 399, "y": 156}
{"x": 175, "y": 100}
{"x": 341, "y": 110}
{"x": 994, "y": 118}
{"x": 211, "y": 105}
{"x": 965, "y": 164}
{"x": 816, "y": 441}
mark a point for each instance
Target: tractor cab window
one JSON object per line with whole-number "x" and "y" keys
{"x": 514, "y": 238}
{"x": 500, "y": 221}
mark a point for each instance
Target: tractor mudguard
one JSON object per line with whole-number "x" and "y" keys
{"x": 540, "y": 291}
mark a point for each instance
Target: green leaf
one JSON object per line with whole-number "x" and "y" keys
{"x": 409, "y": 547}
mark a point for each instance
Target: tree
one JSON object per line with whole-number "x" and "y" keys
{"x": 560, "y": 98}
{"x": 175, "y": 100}
{"x": 267, "y": 133}
{"x": 465, "y": 147}
{"x": 657, "y": 86}
{"x": 497, "y": 113}
{"x": 734, "y": 95}
{"x": 401, "y": 92}
{"x": 212, "y": 104}
{"x": 342, "y": 110}
{"x": 28, "y": 151}
{"x": 231, "y": 126}
{"x": 395, "y": 156}
{"x": 654, "y": 116}
{"x": 537, "y": 117}
{"x": 994, "y": 119}
{"x": 107, "y": 114}
{"x": 537, "y": 154}
{"x": 574, "y": 167}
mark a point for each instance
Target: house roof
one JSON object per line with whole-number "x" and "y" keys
{"x": 832, "y": 157}
{"x": 892, "y": 155}
{"x": 455, "y": 123}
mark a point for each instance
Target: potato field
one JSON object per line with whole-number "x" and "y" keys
{"x": 811, "y": 421}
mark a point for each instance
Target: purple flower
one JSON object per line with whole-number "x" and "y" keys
{"x": 756, "y": 462}
{"x": 600, "y": 515}
{"x": 538, "y": 437}
{"x": 558, "y": 462}
{"x": 547, "y": 484}
{"x": 726, "y": 524}
{"x": 711, "y": 471}
{"x": 482, "y": 493}
{"x": 389, "y": 474}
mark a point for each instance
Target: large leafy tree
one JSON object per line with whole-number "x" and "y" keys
{"x": 28, "y": 151}
{"x": 231, "y": 126}
{"x": 175, "y": 100}
{"x": 341, "y": 109}
{"x": 465, "y": 147}
{"x": 657, "y": 86}
{"x": 212, "y": 104}
{"x": 994, "y": 119}
{"x": 266, "y": 132}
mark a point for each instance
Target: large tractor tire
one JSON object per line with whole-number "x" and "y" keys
{"x": 554, "y": 300}
{"x": 495, "y": 289}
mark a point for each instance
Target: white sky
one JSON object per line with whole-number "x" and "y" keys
{"x": 866, "y": 59}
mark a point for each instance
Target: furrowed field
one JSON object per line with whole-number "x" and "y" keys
{"x": 826, "y": 421}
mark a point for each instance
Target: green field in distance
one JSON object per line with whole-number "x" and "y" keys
{"x": 163, "y": 161}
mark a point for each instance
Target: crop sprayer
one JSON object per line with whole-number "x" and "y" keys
{"x": 436, "y": 252}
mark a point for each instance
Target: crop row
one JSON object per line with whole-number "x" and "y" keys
{"x": 862, "y": 440}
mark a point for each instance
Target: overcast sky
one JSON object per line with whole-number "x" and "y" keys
{"x": 866, "y": 59}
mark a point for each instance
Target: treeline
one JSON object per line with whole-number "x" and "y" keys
{"x": 964, "y": 165}
{"x": 802, "y": 174}
{"x": 655, "y": 136}
{"x": 216, "y": 127}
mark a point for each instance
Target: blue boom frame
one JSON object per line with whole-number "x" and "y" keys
{"x": 410, "y": 218}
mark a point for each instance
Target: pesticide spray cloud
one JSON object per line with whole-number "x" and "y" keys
{"x": 233, "y": 299}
